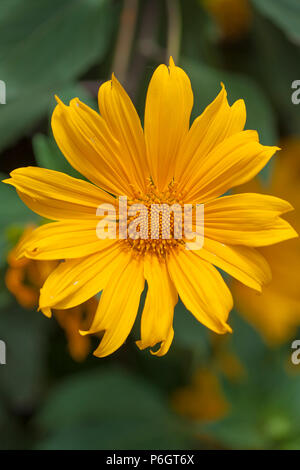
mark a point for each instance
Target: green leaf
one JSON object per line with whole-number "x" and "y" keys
{"x": 108, "y": 409}
{"x": 13, "y": 215}
{"x": 48, "y": 155}
{"x": 190, "y": 333}
{"x": 273, "y": 48}
{"x": 264, "y": 412}
{"x": 284, "y": 13}
{"x": 24, "y": 332}
{"x": 43, "y": 47}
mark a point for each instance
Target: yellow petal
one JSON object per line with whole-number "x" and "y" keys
{"x": 77, "y": 280}
{"x": 55, "y": 195}
{"x": 218, "y": 122}
{"x": 87, "y": 143}
{"x": 201, "y": 289}
{"x": 243, "y": 263}
{"x": 124, "y": 123}
{"x": 157, "y": 316}
{"x": 62, "y": 240}
{"x": 248, "y": 219}
{"x": 118, "y": 305}
{"x": 234, "y": 161}
{"x": 167, "y": 114}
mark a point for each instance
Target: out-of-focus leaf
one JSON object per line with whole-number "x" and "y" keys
{"x": 13, "y": 212}
{"x": 277, "y": 62}
{"x": 106, "y": 410}
{"x": 189, "y": 333}
{"x": 43, "y": 47}
{"x": 206, "y": 83}
{"x": 264, "y": 412}
{"x": 22, "y": 377}
{"x": 48, "y": 155}
{"x": 110, "y": 434}
{"x": 284, "y": 13}
{"x": 11, "y": 437}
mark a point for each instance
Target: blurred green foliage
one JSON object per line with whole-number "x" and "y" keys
{"x": 67, "y": 47}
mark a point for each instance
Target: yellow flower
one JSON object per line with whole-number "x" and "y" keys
{"x": 167, "y": 162}
{"x": 233, "y": 17}
{"x": 203, "y": 400}
{"x": 24, "y": 278}
{"x": 225, "y": 360}
{"x": 74, "y": 319}
{"x": 276, "y": 312}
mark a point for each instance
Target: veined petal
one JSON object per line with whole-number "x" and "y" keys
{"x": 62, "y": 240}
{"x": 118, "y": 305}
{"x": 201, "y": 289}
{"x": 87, "y": 143}
{"x": 241, "y": 262}
{"x": 167, "y": 114}
{"x": 218, "y": 122}
{"x": 234, "y": 161}
{"x": 248, "y": 219}
{"x": 57, "y": 196}
{"x": 157, "y": 316}
{"x": 77, "y": 280}
{"x": 124, "y": 123}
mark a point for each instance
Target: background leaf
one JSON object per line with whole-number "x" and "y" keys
{"x": 284, "y": 13}
{"x": 107, "y": 409}
{"x": 44, "y": 45}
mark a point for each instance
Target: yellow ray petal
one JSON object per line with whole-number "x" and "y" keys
{"x": 201, "y": 289}
{"x": 85, "y": 140}
{"x": 218, "y": 122}
{"x": 62, "y": 240}
{"x": 157, "y": 316}
{"x": 124, "y": 123}
{"x": 248, "y": 219}
{"x": 234, "y": 161}
{"x": 241, "y": 262}
{"x": 168, "y": 107}
{"x": 118, "y": 305}
{"x": 55, "y": 195}
{"x": 77, "y": 280}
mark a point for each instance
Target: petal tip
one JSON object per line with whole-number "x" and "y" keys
{"x": 171, "y": 62}
{"x": 7, "y": 181}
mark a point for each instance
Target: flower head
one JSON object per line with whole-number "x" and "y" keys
{"x": 203, "y": 399}
{"x": 233, "y": 17}
{"x": 167, "y": 162}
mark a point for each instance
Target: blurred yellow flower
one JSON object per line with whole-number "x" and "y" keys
{"x": 226, "y": 361}
{"x": 233, "y": 17}
{"x": 276, "y": 312}
{"x": 24, "y": 278}
{"x": 166, "y": 163}
{"x": 202, "y": 400}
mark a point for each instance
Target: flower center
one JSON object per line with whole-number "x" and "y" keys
{"x": 155, "y": 221}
